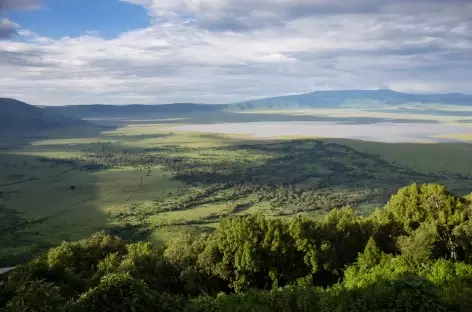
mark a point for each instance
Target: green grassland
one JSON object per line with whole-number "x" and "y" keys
{"x": 144, "y": 179}
{"x": 427, "y": 158}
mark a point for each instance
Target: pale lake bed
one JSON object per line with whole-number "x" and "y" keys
{"x": 378, "y": 132}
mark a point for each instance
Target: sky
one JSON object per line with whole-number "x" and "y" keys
{"x": 60, "y": 52}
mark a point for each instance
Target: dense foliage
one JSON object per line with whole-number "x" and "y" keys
{"x": 415, "y": 254}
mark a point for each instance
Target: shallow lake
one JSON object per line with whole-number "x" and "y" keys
{"x": 379, "y": 132}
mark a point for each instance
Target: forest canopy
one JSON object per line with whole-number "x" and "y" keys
{"x": 414, "y": 254}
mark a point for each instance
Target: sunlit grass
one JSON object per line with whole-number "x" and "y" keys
{"x": 464, "y": 137}
{"x": 356, "y": 113}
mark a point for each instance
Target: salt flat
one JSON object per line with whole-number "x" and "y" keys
{"x": 377, "y": 132}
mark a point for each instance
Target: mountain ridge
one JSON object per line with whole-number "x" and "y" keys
{"x": 340, "y": 98}
{"x": 92, "y": 110}
{"x": 315, "y": 99}
{"x": 19, "y": 117}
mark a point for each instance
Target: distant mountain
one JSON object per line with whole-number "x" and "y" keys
{"x": 132, "y": 110}
{"x": 19, "y": 117}
{"x": 351, "y": 97}
{"x": 317, "y": 99}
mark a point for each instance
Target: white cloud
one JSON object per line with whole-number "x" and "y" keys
{"x": 315, "y": 44}
{"x": 19, "y": 4}
{"x": 7, "y": 28}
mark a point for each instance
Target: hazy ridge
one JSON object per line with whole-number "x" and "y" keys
{"x": 317, "y": 99}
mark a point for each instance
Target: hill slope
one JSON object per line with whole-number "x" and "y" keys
{"x": 98, "y": 110}
{"x": 349, "y": 97}
{"x": 19, "y": 117}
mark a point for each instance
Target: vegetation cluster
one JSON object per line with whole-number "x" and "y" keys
{"x": 414, "y": 254}
{"x": 292, "y": 177}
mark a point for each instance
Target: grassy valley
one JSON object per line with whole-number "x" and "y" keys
{"x": 148, "y": 180}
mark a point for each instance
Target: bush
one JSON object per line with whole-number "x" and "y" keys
{"x": 423, "y": 245}
{"x": 453, "y": 281}
{"x": 116, "y": 292}
{"x": 4, "y": 295}
{"x": 411, "y": 294}
{"x": 82, "y": 257}
{"x": 36, "y": 296}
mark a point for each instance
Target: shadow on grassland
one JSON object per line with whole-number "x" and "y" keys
{"x": 447, "y": 158}
{"x": 43, "y": 203}
{"x": 312, "y": 164}
{"x": 15, "y": 140}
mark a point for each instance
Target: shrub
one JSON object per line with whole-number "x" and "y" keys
{"x": 36, "y": 296}
{"x": 453, "y": 281}
{"x": 116, "y": 292}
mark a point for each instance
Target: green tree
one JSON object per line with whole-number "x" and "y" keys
{"x": 36, "y": 296}
{"x": 253, "y": 252}
{"x": 184, "y": 253}
{"x": 142, "y": 262}
{"x": 431, "y": 203}
{"x": 307, "y": 236}
{"x": 411, "y": 293}
{"x": 343, "y": 237}
{"x": 82, "y": 257}
{"x": 147, "y": 264}
{"x": 423, "y": 245}
{"x": 462, "y": 235}
{"x": 453, "y": 281}
{"x": 365, "y": 273}
{"x": 371, "y": 256}
{"x": 116, "y": 292}
{"x": 383, "y": 227}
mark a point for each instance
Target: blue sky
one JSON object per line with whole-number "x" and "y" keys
{"x": 58, "y": 18}
{"x": 57, "y": 52}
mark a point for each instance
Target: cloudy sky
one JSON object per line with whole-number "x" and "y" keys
{"x": 56, "y": 52}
